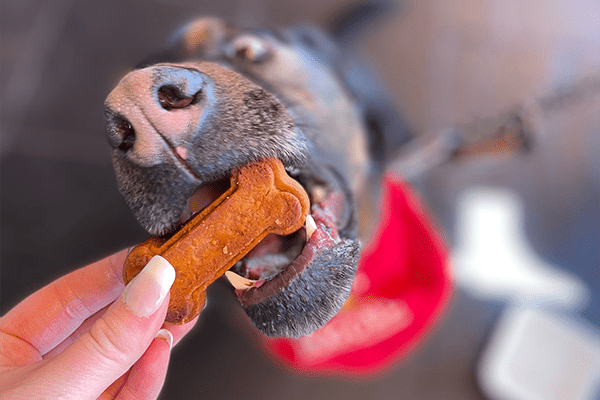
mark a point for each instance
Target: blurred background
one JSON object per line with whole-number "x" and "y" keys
{"x": 523, "y": 227}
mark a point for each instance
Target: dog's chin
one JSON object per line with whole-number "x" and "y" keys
{"x": 307, "y": 273}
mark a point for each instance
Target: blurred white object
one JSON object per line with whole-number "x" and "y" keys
{"x": 534, "y": 355}
{"x": 494, "y": 260}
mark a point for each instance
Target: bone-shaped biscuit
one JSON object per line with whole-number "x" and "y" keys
{"x": 262, "y": 199}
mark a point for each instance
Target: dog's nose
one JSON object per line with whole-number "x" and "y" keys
{"x": 154, "y": 109}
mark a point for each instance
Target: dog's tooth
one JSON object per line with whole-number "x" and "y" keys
{"x": 319, "y": 194}
{"x": 238, "y": 281}
{"x": 310, "y": 226}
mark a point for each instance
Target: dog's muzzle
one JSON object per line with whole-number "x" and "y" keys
{"x": 178, "y": 130}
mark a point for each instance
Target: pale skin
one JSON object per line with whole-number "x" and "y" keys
{"x": 84, "y": 337}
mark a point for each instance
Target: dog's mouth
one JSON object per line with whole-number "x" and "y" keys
{"x": 276, "y": 260}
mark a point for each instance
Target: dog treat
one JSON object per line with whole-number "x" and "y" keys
{"x": 262, "y": 199}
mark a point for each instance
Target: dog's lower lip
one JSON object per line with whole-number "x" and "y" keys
{"x": 253, "y": 264}
{"x": 325, "y": 236}
{"x": 268, "y": 259}
{"x": 206, "y": 194}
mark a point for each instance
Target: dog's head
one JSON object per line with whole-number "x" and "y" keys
{"x": 222, "y": 97}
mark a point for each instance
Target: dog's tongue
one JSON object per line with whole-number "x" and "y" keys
{"x": 203, "y": 197}
{"x": 271, "y": 244}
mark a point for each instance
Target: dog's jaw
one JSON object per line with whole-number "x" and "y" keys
{"x": 325, "y": 261}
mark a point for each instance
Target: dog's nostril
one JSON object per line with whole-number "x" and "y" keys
{"x": 121, "y": 134}
{"x": 170, "y": 97}
{"x": 125, "y": 133}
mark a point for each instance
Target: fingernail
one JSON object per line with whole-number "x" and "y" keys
{"x": 146, "y": 292}
{"x": 166, "y": 335}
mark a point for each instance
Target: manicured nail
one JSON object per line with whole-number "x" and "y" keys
{"x": 166, "y": 335}
{"x": 146, "y": 292}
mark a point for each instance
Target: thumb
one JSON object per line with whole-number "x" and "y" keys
{"x": 119, "y": 338}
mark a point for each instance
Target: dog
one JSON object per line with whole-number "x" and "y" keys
{"x": 222, "y": 96}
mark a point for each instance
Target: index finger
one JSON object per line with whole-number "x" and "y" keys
{"x": 51, "y": 314}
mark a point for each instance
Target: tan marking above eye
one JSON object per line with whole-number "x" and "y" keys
{"x": 203, "y": 33}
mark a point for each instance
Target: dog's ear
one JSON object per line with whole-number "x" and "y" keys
{"x": 388, "y": 131}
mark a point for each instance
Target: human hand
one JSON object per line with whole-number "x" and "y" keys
{"x": 68, "y": 341}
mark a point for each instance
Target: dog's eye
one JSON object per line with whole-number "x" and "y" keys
{"x": 249, "y": 48}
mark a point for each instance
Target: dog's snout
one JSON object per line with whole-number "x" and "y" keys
{"x": 156, "y": 110}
